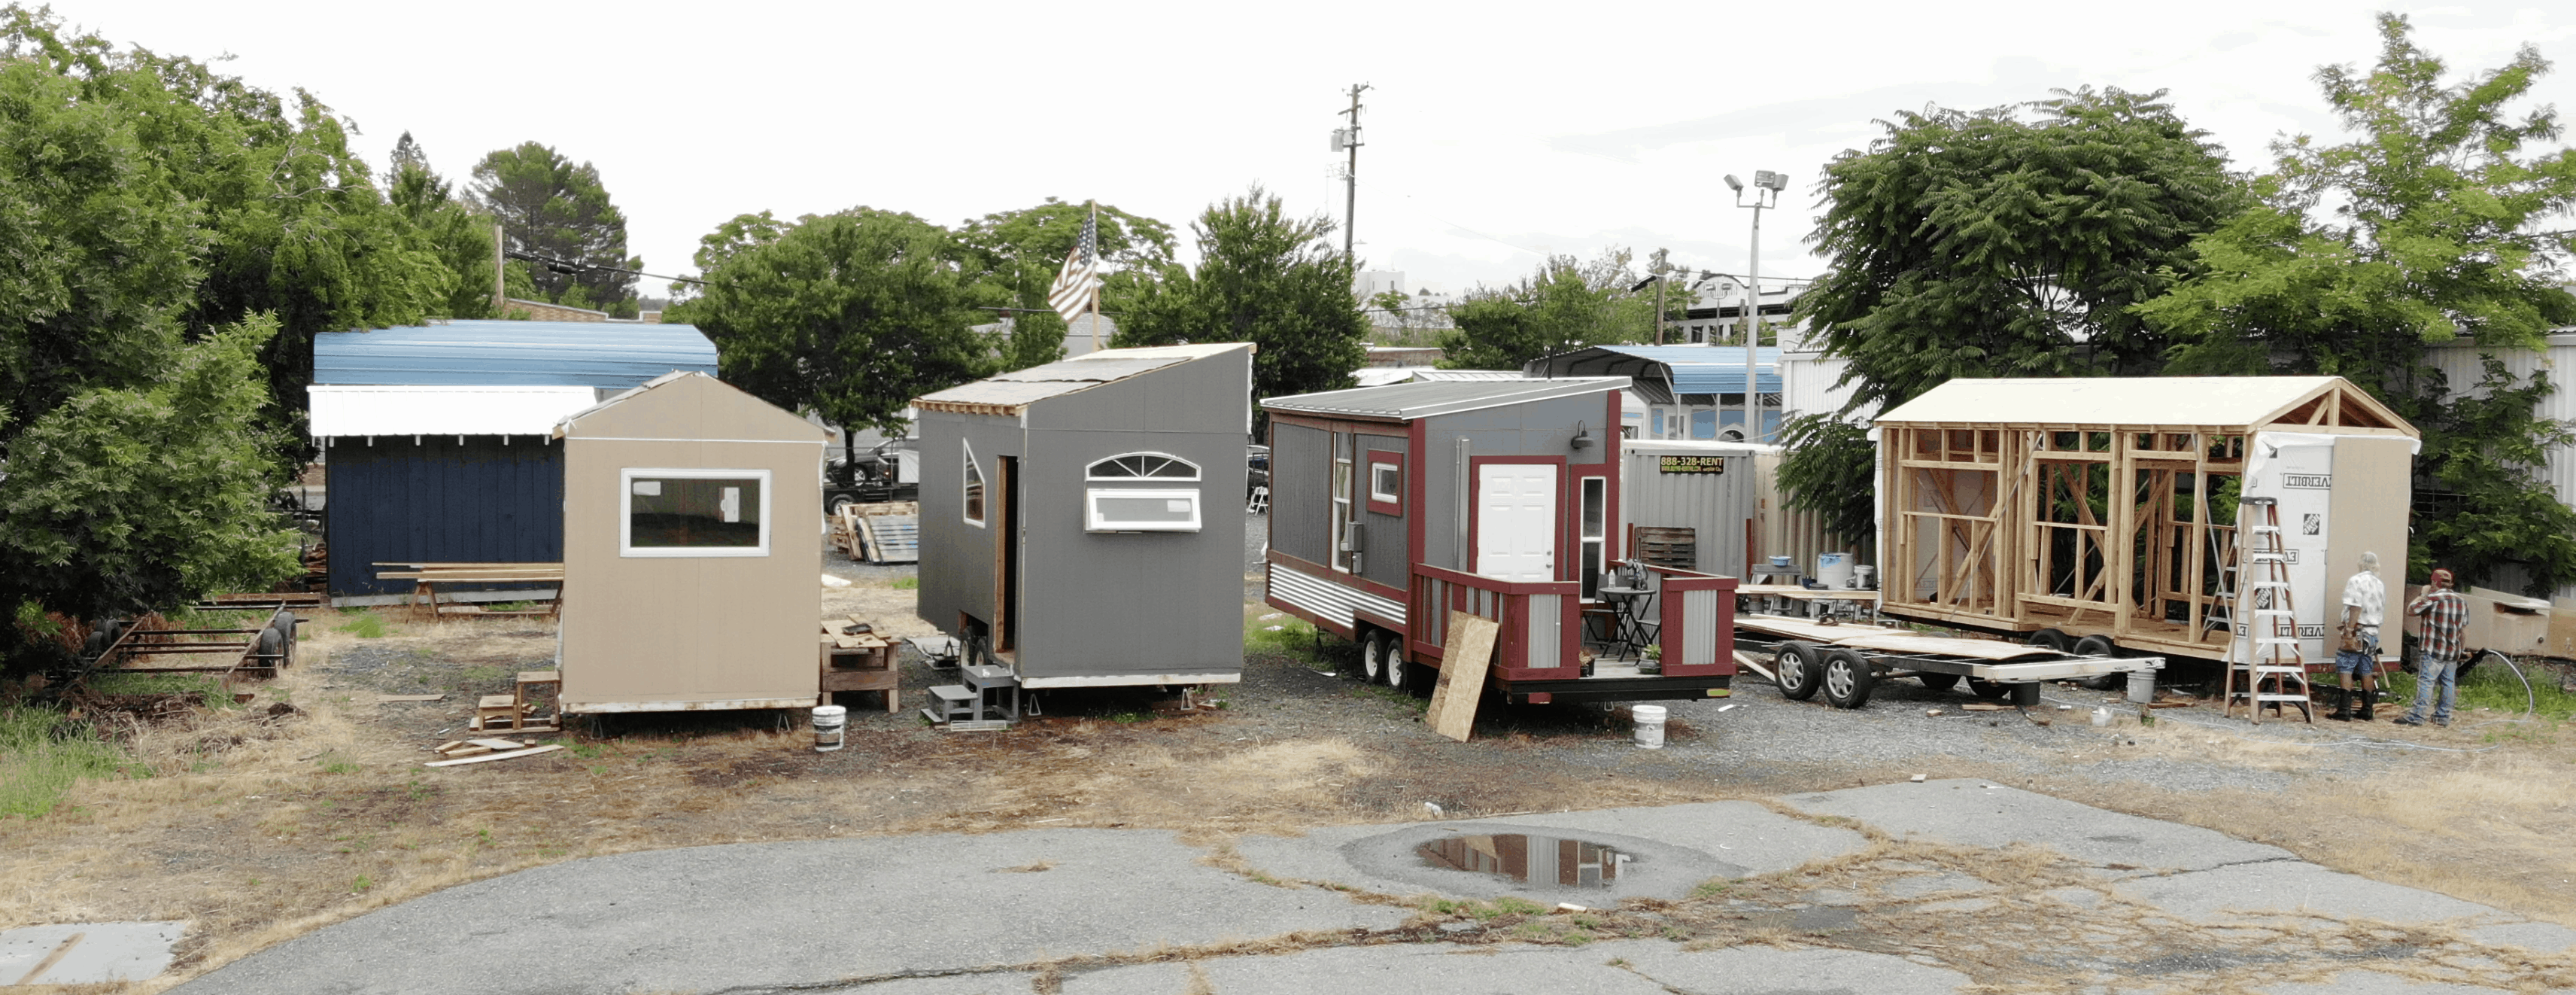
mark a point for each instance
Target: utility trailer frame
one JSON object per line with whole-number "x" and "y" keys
{"x": 1847, "y": 661}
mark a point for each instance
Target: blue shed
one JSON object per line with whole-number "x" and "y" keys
{"x": 438, "y": 439}
{"x": 1678, "y": 391}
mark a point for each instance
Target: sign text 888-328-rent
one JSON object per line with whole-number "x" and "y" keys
{"x": 1690, "y": 464}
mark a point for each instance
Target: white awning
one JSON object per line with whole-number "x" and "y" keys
{"x": 356, "y": 411}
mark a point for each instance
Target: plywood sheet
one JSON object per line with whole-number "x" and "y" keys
{"x": 1981, "y": 649}
{"x": 1463, "y": 660}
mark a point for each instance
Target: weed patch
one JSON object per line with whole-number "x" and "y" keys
{"x": 906, "y": 584}
{"x": 363, "y": 624}
{"x": 42, "y": 754}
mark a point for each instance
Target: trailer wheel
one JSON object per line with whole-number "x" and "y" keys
{"x": 1801, "y": 669}
{"x": 2051, "y": 639}
{"x": 2025, "y": 694}
{"x": 1848, "y": 679}
{"x": 2101, "y": 646}
{"x": 1399, "y": 675}
{"x": 1988, "y": 689}
{"x": 1938, "y": 682}
{"x": 1373, "y": 657}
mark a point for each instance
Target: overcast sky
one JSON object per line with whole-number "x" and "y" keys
{"x": 1497, "y": 131}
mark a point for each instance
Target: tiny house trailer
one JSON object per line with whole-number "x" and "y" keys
{"x": 1393, "y": 506}
{"x": 690, "y": 551}
{"x": 2099, "y": 515}
{"x": 1078, "y": 519}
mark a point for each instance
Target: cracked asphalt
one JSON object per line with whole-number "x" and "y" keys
{"x": 1938, "y": 886}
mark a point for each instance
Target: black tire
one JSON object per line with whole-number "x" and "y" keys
{"x": 271, "y": 647}
{"x": 1372, "y": 657}
{"x": 1988, "y": 690}
{"x": 2051, "y": 638}
{"x": 2025, "y": 694}
{"x": 838, "y": 502}
{"x": 1802, "y": 669}
{"x": 1848, "y": 679}
{"x": 1938, "y": 682}
{"x": 2101, "y": 646}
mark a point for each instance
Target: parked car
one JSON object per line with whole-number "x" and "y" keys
{"x": 877, "y": 476}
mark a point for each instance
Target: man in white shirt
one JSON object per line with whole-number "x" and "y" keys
{"x": 2365, "y": 600}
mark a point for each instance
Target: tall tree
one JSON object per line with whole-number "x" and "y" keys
{"x": 848, "y": 315}
{"x": 446, "y": 227}
{"x": 1265, "y": 278}
{"x": 2007, "y": 242}
{"x": 1564, "y": 305}
{"x": 552, "y": 207}
{"x": 1022, "y": 251}
{"x": 2432, "y": 225}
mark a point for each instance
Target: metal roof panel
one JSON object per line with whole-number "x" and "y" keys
{"x": 2178, "y": 401}
{"x": 1408, "y": 401}
{"x": 495, "y": 353}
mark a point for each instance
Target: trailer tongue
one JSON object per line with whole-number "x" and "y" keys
{"x": 1846, "y": 662}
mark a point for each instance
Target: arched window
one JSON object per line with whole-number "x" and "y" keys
{"x": 1143, "y": 466}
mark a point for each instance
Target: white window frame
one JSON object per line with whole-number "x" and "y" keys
{"x": 970, "y": 475}
{"x": 1385, "y": 497}
{"x": 626, "y": 477}
{"x": 1092, "y": 472}
{"x": 1092, "y": 522}
{"x": 1592, "y": 531}
{"x": 1342, "y": 512}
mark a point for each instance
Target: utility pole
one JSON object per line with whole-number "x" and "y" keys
{"x": 1348, "y": 139}
{"x": 1659, "y": 296}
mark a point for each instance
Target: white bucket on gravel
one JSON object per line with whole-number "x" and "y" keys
{"x": 831, "y": 727}
{"x": 1649, "y": 720}
{"x": 2142, "y": 686}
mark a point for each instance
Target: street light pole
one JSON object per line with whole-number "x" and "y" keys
{"x": 1766, "y": 193}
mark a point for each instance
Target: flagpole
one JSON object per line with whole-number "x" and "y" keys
{"x": 1095, "y": 293}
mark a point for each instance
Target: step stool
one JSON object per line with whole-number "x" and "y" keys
{"x": 551, "y": 681}
{"x": 951, "y": 702}
{"x": 496, "y": 711}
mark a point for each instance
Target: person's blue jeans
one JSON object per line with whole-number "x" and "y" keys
{"x": 2429, "y": 672}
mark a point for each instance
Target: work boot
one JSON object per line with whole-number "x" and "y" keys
{"x": 2369, "y": 700}
{"x": 2343, "y": 705}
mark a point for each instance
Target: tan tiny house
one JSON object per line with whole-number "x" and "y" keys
{"x": 2000, "y": 505}
{"x": 690, "y": 551}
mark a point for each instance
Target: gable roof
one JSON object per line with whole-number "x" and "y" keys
{"x": 2164, "y": 402}
{"x": 1011, "y": 393}
{"x": 1424, "y": 399}
{"x": 737, "y": 414}
{"x": 499, "y": 353}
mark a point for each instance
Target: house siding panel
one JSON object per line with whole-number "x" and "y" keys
{"x": 437, "y": 500}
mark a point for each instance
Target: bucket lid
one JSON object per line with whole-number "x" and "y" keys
{"x": 1646, "y": 712}
{"x": 831, "y": 709}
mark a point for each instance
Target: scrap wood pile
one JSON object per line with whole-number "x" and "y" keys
{"x": 474, "y": 751}
{"x": 880, "y": 532}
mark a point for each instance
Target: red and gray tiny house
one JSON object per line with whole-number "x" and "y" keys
{"x": 1391, "y": 507}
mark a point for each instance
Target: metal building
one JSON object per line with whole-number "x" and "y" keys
{"x": 435, "y": 438}
{"x": 691, "y": 520}
{"x": 1712, "y": 489}
{"x": 1679, "y": 391}
{"x": 1079, "y": 519}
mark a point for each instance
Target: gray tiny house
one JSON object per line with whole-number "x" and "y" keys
{"x": 1393, "y": 506}
{"x": 1079, "y": 519}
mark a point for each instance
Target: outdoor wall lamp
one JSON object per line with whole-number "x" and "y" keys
{"x": 1582, "y": 437}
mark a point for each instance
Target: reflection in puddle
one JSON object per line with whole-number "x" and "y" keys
{"x": 1526, "y": 859}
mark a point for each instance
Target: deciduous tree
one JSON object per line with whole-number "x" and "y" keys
{"x": 1564, "y": 305}
{"x": 1265, "y": 278}
{"x": 1022, "y": 251}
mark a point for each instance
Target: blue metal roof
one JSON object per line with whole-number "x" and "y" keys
{"x": 499, "y": 353}
{"x": 1692, "y": 369}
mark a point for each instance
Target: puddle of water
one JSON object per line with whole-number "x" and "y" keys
{"x": 1519, "y": 857}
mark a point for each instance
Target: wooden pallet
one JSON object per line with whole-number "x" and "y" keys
{"x": 892, "y": 538}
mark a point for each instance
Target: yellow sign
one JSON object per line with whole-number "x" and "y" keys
{"x": 1691, "y": 464}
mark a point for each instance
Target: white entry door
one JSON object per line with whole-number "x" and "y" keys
{"x": 1516, "y": 521}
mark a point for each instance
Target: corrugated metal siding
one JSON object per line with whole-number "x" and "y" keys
{"x": 481, "y": 502}
{"x": 491, "y": 353}
{"x": 1717, "y": 506}
{"x": 1807, "y": 384}
{"x": 1327, "y": 598}
{"x": 1301, "y": 479}
{"x": 1546, "y": 629}
{"x": 1386, "y": 560}
{"x": 1800, "y": 535}
{"x": 2463, "y": 367}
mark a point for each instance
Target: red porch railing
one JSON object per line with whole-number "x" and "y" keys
{"x": 1540, "y": 622}
{"x": 1695, "y": 616}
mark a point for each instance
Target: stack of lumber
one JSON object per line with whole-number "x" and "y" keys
{"x": 474, "y": 751}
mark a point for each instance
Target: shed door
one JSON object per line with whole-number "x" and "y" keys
{"x": 1516, "y": 521}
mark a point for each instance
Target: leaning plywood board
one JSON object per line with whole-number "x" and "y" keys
{"x": 1462, "y": 675}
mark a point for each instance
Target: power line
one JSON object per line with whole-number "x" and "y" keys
{"x": 569, "y": 267}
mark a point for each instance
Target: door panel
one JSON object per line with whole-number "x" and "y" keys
{"x": 1516, "y": 521}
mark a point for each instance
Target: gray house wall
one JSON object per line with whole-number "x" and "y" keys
{"x": 1301, "y": 477}
{"x": 1537, "y": 428}
{"x": 956, "y": 557}
{"x": 1386, "y": 560}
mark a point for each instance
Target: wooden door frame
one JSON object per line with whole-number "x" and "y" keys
{"x": 1003, "y": 509}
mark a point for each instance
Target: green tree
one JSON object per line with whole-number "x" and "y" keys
{"x": 848, "y": 315}
{"x": 447, "y": 228}
{"x": 1022, "y": 251}
{"x": 2428, "y": 227}
{"x": 1265, "y": 278}
{"x": 1564, "y": 305}
{"x": 2008, "y": 242}
{"x": 550, "y": 206}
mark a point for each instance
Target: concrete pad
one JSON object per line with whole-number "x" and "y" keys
{"x": 1736, "y": 839}
{"x": 2544, "y": 937}
{"x": 1139, "y": 979}
{"x": 748, "y": 915}
{"x": 1971, "y": 813}
{"x": 1751, "y": 970}
{"x": 2375, "y": 983}
{"x": 997, "y": 983}
{"x": 1920, "y": 885}
{"x": 1392, "y": 970}
{"x": 2221, "y": 895}
{"x": 1644, "y": 867}
{"x": 107, "y": 951}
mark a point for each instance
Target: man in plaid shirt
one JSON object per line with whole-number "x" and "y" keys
{"x": 2446, "y": 616}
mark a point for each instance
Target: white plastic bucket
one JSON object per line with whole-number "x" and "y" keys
{"x": 1649, "y": 720}
{"x": 2101, "y": 716}
{"x": 1834, "y": 569}
{"x": 831, "y": 727}
{"x": 2142, "y": 686}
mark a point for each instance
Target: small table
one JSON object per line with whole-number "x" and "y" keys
{"x": 986, "y": 678}
{"x": 1624, "y": 601}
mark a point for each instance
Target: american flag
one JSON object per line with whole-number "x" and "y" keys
{"x": 1077, "y": 289}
